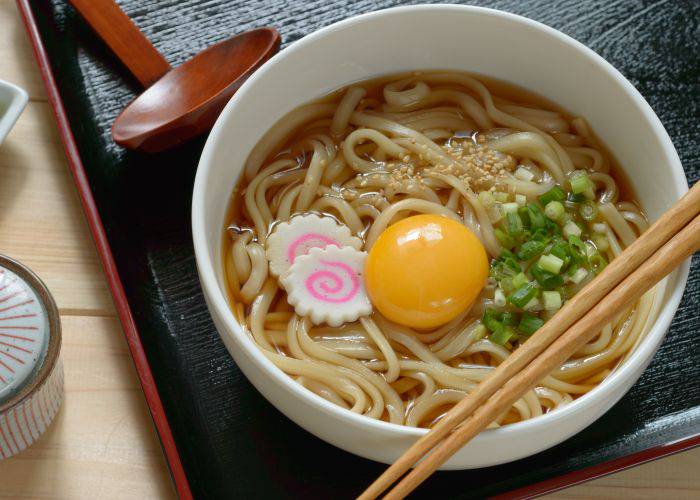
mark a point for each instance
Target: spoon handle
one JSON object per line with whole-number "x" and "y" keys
{"x": 121, "y": 34}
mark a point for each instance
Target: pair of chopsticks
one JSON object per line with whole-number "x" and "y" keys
{"x": 657, "y": 252}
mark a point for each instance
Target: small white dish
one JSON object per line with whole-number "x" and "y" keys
{"x": 433, "y": 37}
{"x": 13, "y": 100}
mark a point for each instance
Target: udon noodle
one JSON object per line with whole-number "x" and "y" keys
{"x": 425, "y": 143}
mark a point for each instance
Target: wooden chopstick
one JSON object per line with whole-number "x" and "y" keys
{"x": 665, "y": 260}
{"x": 670, "y": 223}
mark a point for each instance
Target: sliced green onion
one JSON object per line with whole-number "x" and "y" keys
{"x": 509, "y": 208}
{"x": 579, "y": 275}
{"x": 571, "y": 269}
{"x": 494, "y": 213}
{"x": 506, "y": 285}
{"x": 552, "y": 227}
{"x": 529, "y": 324}
{"x": 486, "y": 199}
{"x": 601, "y": 243}
{"x": 590, "y": 249}
{"x": 523, "y": 295}
{"x": 588, "y": 210}
{"x": 502, "y": 335}
{"x": 500, "y": 196}
{"x": 521, "y": 200}
{"x": 571, "y": 228}
{"x": 491, "y": 320}
{"x": 550, "y": 263}
{"x": 580, "y": 182}
{"x": 554, "y": 194}
{"x": 562, "y": 251}
{"x": 499, "y": 298}
{"x": 533, "y": 305}
{"x": 576, "y": 243}
{"x": 537, "y": 218}
{"x": 509, "y": 319}
{"x": 523, "y": 174}
{"x": 508, "y": 258}
{"x": 551, "y": 300}
{"x": 546, "y": 279}
{"x": 504, "y": 239}
{"x": 514, "y": 224}
{"x": 479, "y": 332}
{"x": 564, "y": 219}
{"x": 554, "y": 210}
{"x": 530, "y": 249}
{"x": 572, "y": 199}
{"x": 520, "y": 280}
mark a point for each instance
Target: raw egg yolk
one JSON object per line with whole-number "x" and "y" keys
{"x": 425, "y": 270}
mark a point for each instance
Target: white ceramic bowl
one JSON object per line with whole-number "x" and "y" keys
{"x": 13, "y": 99}
{"x": 478, "y": 40}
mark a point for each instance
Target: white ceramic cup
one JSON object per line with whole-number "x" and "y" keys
{"x": 445, "y": 37}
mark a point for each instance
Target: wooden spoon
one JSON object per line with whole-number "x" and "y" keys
{"x": 179, "y": 103}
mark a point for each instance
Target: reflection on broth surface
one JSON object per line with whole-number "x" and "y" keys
{"x": 535, "y": 187}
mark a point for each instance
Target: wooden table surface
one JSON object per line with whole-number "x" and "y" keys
{"x": 103, "y": 443}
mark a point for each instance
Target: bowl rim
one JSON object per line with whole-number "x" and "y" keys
{"x": 218, "y": 303}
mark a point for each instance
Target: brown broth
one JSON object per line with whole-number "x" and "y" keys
{"x": 235, "y": 215}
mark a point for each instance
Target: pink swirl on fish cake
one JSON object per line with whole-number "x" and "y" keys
{"x": 332, "y": 283}
{"x": 304, "y": 238}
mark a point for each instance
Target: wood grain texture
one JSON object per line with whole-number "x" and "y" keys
{"x": 101, "y": 444}
{"x": 87, "y": 464}
{"x": 39, "y": 213}
{"x": 126, "y": 41}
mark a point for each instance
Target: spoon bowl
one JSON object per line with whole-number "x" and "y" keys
{"x": 179, "y": 103}
{"x": 186, "y": 101}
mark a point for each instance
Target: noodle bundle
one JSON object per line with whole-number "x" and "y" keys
{"x": 430, "y": 143}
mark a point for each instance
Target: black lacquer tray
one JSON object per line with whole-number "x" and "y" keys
{"x": 221, "y": 438}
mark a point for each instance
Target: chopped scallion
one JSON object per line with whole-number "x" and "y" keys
{"x": 546, "y": 279}
{"x": 500, "y": 196}
{"x": 571, "y": 228}
{"x": 588, "y": 210}
{"x": 502, "y": 335}
{"x": 491, "y": 320}
{"x": 514, "y": 224}
{"x": 499, "y": 298}
{"x": 509, "y": 319}
{"x": 509, "y": 208}
{"x": 520, "y": 280}
{"x": 523, "y": 295}
{"x": 550, "y": 263}
{"x": 479, "y": 332}
{"x": 533, "y": 305}
{"x": 486, "y": 199}
{"x": 530, "y": 249}
{"x": 551, "y": 300}
{"x": 537, "y": 218}
{"x": 601, "y": 243}
{"x": 579, "y": 275}
{"x": 580, "y": 182}
{"x": 504, "y": 239}
{"x": 523, "y": 174}
{"x": 554, "y": 210}
{"x": 554, "y": 194}
{"x": 529, "y": 324}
